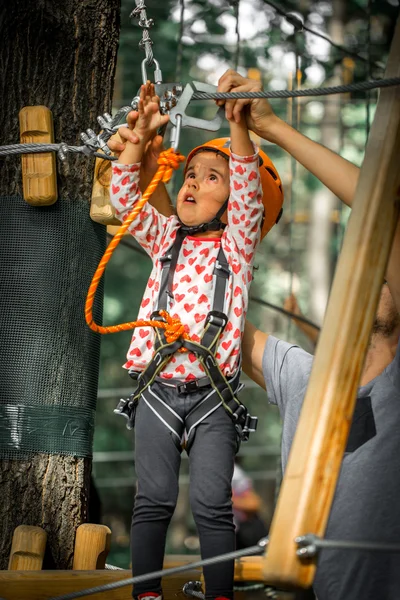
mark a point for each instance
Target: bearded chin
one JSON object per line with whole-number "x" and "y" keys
{"x": 388, "y": 326}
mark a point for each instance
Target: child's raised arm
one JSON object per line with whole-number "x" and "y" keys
{"x": 148, "y": 122}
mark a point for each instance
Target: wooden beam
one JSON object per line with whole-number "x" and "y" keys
{"x": 40, "y": 585}
{"x": 315, "y": 459}
{"x": 23, "y": 585}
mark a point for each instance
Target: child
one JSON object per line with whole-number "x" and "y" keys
{"x": 202, "y": 269}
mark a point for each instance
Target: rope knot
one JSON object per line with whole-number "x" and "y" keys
{"x": 171, "y": 160}
{"x": 174, "y": 328}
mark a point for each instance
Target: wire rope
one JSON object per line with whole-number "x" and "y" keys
{"x": 179, "y": 54}
{"x": 294, "y": 20}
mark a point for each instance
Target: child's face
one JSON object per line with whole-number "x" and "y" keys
{"x": 205, "y": 189}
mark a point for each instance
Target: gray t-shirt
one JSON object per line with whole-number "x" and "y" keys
{"x": 366, "y": 504}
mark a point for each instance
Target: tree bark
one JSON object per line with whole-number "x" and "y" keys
{"x": 61, "y": 54}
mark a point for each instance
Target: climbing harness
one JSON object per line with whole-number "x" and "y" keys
{"x": 221, "y": 391}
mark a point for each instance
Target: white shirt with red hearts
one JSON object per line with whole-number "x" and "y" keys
{"x": 193, "y": 278}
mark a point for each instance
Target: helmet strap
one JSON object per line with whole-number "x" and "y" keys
{"x": 214, "y": 225}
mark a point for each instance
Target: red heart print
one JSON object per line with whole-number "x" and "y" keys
{"x": 150, "y": 283}
{"x": 253, "y": 175}
{"x": 236, "y": 268}
{"x": 145, "y": 302}
{"x": 187, "y": 252}
{"x": 179, "y": 267}
{"x": 188, "y": 307}
{"x": 115, "y": 189}
{"x": 192, "y": 357}
{"x": 239, "y": 169}
{"x": 199, "y": 269}
{"x": 179, "y": 297}
{"x": 167, "y": 375}
{"x": 236, "y": 334}
{"x": 237, "y": 185}
{"x": 180, "y": 369}
{"x": 226, "y": 344}
{"x": 198, "y": 317}
{"x": 149, "y": 344}
{"x": 192, "y": 260}
{"x": 194, "y": 289}
{"x": 117, "y": 170}
{"x": 186, "y": 278}
{"x": 235, "y": 221}
{"x": 135, "y": 352}
{"x": 205, "y": 252}
{"x": 125, "y": 180}
{"x": 203, "y": 298}
{"x": 238, "y": 290}
{"x": 229, "y": 326}
{"x": 238, "y": 311}
{"x": 208, "y": 278}
{"x": 143, "y": 333}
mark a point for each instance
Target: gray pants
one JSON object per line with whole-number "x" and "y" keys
{"x": 211, "y": 462}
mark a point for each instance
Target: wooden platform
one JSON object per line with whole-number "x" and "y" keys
{"x": 41, "y": 585}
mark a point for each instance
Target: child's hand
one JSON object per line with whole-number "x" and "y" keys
{"x": 149, "y": 117}
{"x": 258, "y": 111}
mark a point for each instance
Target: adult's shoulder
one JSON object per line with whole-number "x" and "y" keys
{"x": 286, "y": 370}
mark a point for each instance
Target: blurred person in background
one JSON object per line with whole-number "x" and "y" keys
{"x": 250, "y": 527}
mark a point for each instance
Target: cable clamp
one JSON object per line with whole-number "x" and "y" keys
{"x": 307, "y": 546}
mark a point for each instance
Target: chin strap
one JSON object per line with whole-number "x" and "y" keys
{"x": 214, "y": 225}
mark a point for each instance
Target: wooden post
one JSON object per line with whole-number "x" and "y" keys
{"x": 39, "y": 175}
{"x": 28, "y": 548}
{"x": 317, "y": 451}
{"x": 92, "y": 545}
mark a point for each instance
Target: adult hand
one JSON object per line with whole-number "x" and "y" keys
{"x": 153, "y": 149}
{"x": 291, "y": 305}
{"x": 259, "y": 114}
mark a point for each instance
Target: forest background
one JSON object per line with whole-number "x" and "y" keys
{"x": 299, "y": 255}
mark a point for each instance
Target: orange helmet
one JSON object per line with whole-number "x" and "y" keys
{"x": 270, "y": 181}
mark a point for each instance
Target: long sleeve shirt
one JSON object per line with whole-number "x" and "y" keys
{"x": 193, "y": 278}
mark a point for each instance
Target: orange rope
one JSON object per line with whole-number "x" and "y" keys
{"x": 168, "y": 161}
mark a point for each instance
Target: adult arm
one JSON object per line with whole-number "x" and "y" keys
{"x": 253, "y": 345}
{"x": 160, "y": 199}
{"x": 338, "y": 174}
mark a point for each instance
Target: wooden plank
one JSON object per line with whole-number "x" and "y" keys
{"x": 40, "y": 585}
{"x": 27, "y": 549}
{"x": 92, "y": 545}
{"x": 39, "y": 176}
{"x": 23, "y": 585}
{"x": 314, "y": 463}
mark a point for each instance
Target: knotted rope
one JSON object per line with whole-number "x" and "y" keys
{"x": 168, "y": 160}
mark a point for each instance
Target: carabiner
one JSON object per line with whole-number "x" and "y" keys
{"x": 157, "y": 71}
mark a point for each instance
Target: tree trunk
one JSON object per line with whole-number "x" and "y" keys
{"x": 324, "y": 202}
{"x": 61, "y": 54}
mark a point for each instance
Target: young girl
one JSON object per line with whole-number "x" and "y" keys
{"x": 202, "y": 270}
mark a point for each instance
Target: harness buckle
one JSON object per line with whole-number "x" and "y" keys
{"x": 127, "y": 409}
{"x": 215, "y": 317}
{"x": 223, "y": 269}
{"x": 188, "y": 388}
